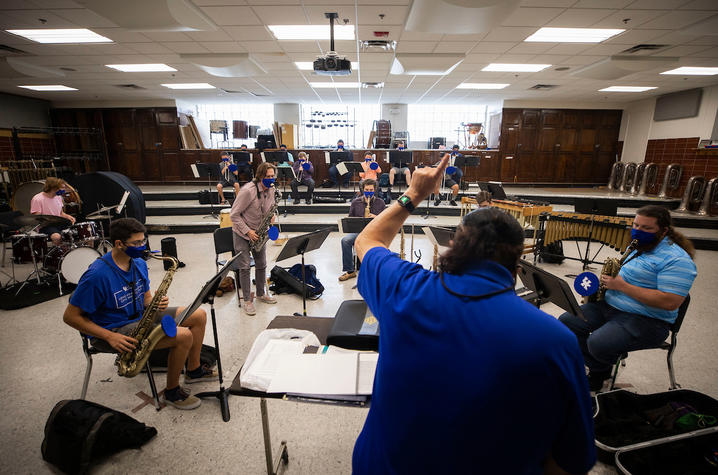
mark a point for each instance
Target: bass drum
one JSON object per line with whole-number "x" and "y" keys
{"x": 23, "y": 195}
{"x": 76, "y": 262}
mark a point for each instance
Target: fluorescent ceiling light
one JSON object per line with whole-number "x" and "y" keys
{"x": 626, "y": 89}
{"x": 49, "y": 87}
{"x": 190, "y": 85}
{"x": 141, "y": 68}
{"x": 692, "y": 71}
{"x": 338, "y": 85}
{"x": 515, "y": 68}
{"x": 309, "y": 65}
{"x": 74, "y": 35}
{"x": 481, "y": 85}
{"x": 311, "y": 32}
{"x": 573, "y": 35}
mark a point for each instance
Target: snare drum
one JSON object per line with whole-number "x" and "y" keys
{"x": 71, "y": 262}
{"x": 85, "y": 230}
{"x": 25, "y": 245}
{"x": 224, "y": 221}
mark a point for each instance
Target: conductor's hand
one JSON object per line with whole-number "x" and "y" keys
{"x": 425, "y": 180}
{"x": 164, "y": 303}
{"x": 252, "y": 235}
{"x": 612, "y": 283}
{"x": 120, "y": 342}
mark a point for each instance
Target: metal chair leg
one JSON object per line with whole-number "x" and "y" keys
{"x": 153, "y": 388}
{"x": 88, "y": 370}
{"x": 671, "y": 371}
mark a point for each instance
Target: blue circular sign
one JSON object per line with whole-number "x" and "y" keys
{"x": 232, "y": 167}
{"x": 169, "y": 326}
{"x": 586, "y": 284}
{"x": 450, "y": 170}
{"x": 306, "y": 166}
{"x": 373, "y": 165}
{"x": 273, "y": 233}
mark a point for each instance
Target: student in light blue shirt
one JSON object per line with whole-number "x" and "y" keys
{"x": 460, "y": 357}
{"x": 642, "y": 301}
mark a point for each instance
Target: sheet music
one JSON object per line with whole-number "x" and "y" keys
{"x": 195, "y": 172}
{"x": 125, "y": 195}
{"x": 268, "y": 360}
{"x": 342, "y": 168}
{"x": 326, "y": 158}
{"x": 366, "y": 372}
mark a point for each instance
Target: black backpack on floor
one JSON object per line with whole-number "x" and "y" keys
{"x": 78, "y": 432}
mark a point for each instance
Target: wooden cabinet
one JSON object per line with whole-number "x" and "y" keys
{"x": 558, "y": 145}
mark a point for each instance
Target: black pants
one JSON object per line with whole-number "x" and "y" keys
{"x": 305, "y": 181}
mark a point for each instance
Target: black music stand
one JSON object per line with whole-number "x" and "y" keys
{"x": 353, "y": 168}
{"x": 212, "y": 172}
{"x": 243, "y": 159}
{"x": 277, "y": 156}
{"x": 299, "y": 245}
{"x": 206, "y": 295}
{"x": 548, "y": 288}
{"x": 286, "y": 173}
{"x": 338, "y": 157}
{"x": 497, "y": 190}
{"x": 466, "y": 161}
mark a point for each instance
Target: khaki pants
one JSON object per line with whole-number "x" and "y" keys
{"x": 260, "y": 266}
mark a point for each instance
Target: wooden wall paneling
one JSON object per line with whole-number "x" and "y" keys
{"x": 187, "y": 158}
{"x": 168, "y": 132}
{"x": 511, "y": 117}
{"x": 567, "y": 152}
{"x": 150, "y": 144}
{"x": 509, "y": 149}
{"x": 545, "y": 159}
{"x": 123, "y": 143}
{"x": 526, "y": 152}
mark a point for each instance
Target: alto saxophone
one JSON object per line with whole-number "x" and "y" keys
{"x": 263, "y": 230}
{"x": 367, "y": 208}
{"x": 147, "y": 333}
{"x": 612, "y": 266}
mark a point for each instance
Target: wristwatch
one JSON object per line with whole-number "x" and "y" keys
{"x": 405, "y": 202}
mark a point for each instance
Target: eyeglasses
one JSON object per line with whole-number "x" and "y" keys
{"x": 137, "y": 243}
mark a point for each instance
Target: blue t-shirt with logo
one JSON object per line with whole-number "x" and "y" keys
{"x": 461, "y": 385}
{"x": 667, "y": 267}
{"x": 104, "y": 292}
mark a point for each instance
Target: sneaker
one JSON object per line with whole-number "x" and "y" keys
{"x": 208, "y": 374}
{"x": 452, "y": 203}
{"x": 266, "y": 298}
{"x": 437, "y": 201}
{"x": 347, "y": 276}
{"x": 249, "y": 308}
{"x": 596, "y": 380}
{"x": 182, "y": 400}
{"x": 296, "y": 202}
{"x": 308, "y": 201}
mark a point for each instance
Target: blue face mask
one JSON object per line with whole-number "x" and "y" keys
{"x": 60, "y": 192}
{"x": 136, "y": 251}
{"x": 367, "y": 159}
{"x": 340, "y": 146}
{"x": 400, "y": 148}
{"x": 643, "y": 237}
{"x": 267, "y": 182}
{"x": 368, "y": 194}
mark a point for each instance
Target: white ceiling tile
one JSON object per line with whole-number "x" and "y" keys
{"x": 531, "y": 48}
{"x": 636, "y": 19}
{"x": 701, "y": 5}
{"x": 251, "y": 33}
{"x": 202, "y": 3}
{"x": 416, "y": 46}
{"x": 186, "y": 47}
{"x": 676, "y": 19}
{"x": 515, "y": 58}
{"x": 167, "y": 36}
{"x": 231, "y": 15}
{"x": 634, "y": 37}
{"x": 526, "y": 16}
{"x": 454, "y": 47}
{"x": 262, "y": 46}
{"x": 571, "y": 49}
{"x": 416, "y": 36}
{"x": 547, "y": 3}
{"x": 148, "y": 48}
{"x": 281, "y": 15}
{"x": 601, "y": 3}
{"x": 474, "y": 38}
{"x": 607, "y": 49}
{"x": 579, "y": 18}
{"x": 509, "y": 33}
{"x": 579, "y": 60}
{"x": 656, "y": 4}
{"x": 480, "y": 58}
{"x": 684, "y": 50}
{"x": 493, "y": 47}
{"x": 219, "y": 35}
{"x": 84, "y": 18}
{"x": 120, "y": 35}
{"x": 223, "y": 46}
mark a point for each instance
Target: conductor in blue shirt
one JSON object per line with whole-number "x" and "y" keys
{"x": 642, "y": 301}
{"x": 470, "y": 377}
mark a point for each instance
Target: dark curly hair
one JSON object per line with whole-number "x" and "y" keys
{"x": 486, "y": 233}
{"x": 122, "y": 229}
{"x": 665, "y": 223}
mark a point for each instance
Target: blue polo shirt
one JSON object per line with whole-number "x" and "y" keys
{"x": 105, "y": 296}
{"x": 667, "y": 267}
{"x": 465, "y": 385}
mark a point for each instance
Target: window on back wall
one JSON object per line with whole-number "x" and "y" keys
{"x": 261, "y": 115}
{"x": 439, "y": 120}
{"x": 322, "y": 125}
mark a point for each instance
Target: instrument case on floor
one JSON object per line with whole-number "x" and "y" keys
{"x": 622, "y": 422}
{"x": 693, "y": 454}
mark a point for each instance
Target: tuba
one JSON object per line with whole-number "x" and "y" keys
{"x": 263, "y": 230}
{"x": 147, "y": 334}
{"x": 611, "y": 266}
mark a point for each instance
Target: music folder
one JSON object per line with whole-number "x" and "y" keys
{"x": 549, "y": 288}
{"x": 399, "y": 157}
{"x": 439, "y": 236}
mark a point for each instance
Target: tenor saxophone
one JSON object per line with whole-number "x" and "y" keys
{"x": 263, "y": 230}
{"x": 611, "y": 266}
{"x": 147, "y": 333}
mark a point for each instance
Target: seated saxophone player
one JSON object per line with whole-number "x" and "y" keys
{"x": 253, "y": 206}
{"x": 109, "y": 301}
{"x": 366, "y": 205}
{"x": 642, "y": 301}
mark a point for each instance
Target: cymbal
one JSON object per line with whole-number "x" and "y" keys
{"x": 99, "y": 215}
{"x": 42, "y": 220}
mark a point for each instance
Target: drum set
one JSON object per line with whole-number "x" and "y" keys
{"x": 81, "y": 244}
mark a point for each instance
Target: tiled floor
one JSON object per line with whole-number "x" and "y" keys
{"x": 42, "y": 363}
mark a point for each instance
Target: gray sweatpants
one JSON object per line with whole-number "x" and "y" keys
{"x": 260, "y": 266}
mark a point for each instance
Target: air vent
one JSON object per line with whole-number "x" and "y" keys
{"x": 378, "y": 45}
{"x": 129, "y": 86}
{"x": 228, "y": 91}
{"x": 9, "y": 49}
{"x": 543, "y": 87}
{"x": 644, "y": 48}
{"x": 375, "y": 85}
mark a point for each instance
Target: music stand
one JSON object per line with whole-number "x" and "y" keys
{"x": 277, "y": 156}
{"x": 549, "y": 288}
{"x": 335, "y": 158}
{"x": 353, "y": 224}
{"x": 497, "y": 190}
{"x": 206, "y": 295}
{"x": 350, "y": 167}
{"x": 212, "y": 172}
{"x": 466, "y": 161}
{"x": 397, "y": 158}
{"x": 243, "y": 159}
{"x": 299, "y": 245}
{"x": 286, "y": 173}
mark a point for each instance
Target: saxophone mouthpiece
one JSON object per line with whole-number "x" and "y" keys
{"x": 147, "y": 253}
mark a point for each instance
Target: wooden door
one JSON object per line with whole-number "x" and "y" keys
{"x": 508, "y": 147}
{"x": 150, "y": 145}
{"x": 567, "y": 149}
{"x": 123, "y": 143}
{"x": 168, "y": 131}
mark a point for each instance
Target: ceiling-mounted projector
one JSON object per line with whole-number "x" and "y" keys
{"x": 332, "y": 64}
